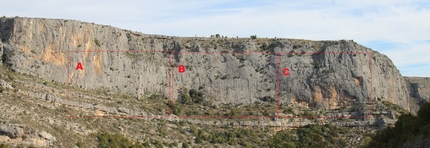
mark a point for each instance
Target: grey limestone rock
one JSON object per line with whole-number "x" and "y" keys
{"x": 1, "y": 53}
{"x": 13, "y": 131}
{"x": 4, "y": 84}
{"x": 323, "y": 74}
{"x": 26, "y": 135}
{"x": 419, "y": 91}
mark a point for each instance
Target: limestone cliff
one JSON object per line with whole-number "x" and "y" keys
{"x": 323, "y": 74}
{"x": 419, "y": 91}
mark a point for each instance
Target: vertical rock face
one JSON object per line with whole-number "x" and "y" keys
{"x": 344, "y": 73}
{"x": 13, "y": 133}
{"x": 323, "y": 74}
{"x": 419, "y": 91}
{"x": 1, "y": 53}
{"x": 388, "y": 84}
{"x": 419, "y": 87}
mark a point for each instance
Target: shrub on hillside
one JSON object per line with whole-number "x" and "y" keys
{"x": 308, "y": 136}
{"x": 191, "y": 96}
{"x": 407, "y": 128}
{"x": 115, "y": 140}
{"x": 269, "y": 99}
{"x": 3, "y": 145}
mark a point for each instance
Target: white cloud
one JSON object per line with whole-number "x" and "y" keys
{"x": 411, "y": 58}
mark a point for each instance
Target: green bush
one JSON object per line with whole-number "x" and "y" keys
{"x": 232, "y": 112}
{"x": 407, "y": 128}
{"x": 224, "y": 77}
{"x": 115, "y": 141}
{"x": 283, "y": 139}
{"x": 317, "y": 64}
{"x": 268, "y": 47}
{"x": 268, "y": 99}
{"x": 424, "y": 113}
{"x": 296, "y": 46}
{"x": 80, "y": 144}
{"x": 156, "y": 97}
{"x": 185, "y": 97}
{"x": 3, "y": 145}
{"x": 288, "y": 110}
{"x": 426, "y": 130}
{"x": 231, "y": 137}
{"x": 97, "y": 42}
{"x": 185, "y": 145}
{"x": 266, "y": 113}
{"x": 196, "y": 96}
{"x": 308, "y": 136}
{"x": 177, "y": 110}
{"x": 157, "y": 144}
{"x": 191, "y": 96}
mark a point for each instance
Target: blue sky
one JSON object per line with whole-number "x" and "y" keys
{"x": 397, "y": 28}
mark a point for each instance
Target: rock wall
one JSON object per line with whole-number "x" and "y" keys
{"x": 323, "y": 74}
{"x": 419, "y": 91}
{"x": 15, "y": 133}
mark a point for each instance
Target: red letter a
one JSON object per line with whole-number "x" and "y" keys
{"x": 79, "y": 66}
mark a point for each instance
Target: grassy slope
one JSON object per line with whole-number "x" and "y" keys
{"x": 21, "y": 106}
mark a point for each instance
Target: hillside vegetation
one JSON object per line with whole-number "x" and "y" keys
{"x": 26, "y": 105}
{"x": 408, "y": 129}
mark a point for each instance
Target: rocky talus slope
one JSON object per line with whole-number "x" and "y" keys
{"x": 36, "y": 112}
